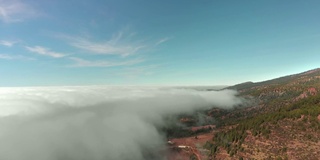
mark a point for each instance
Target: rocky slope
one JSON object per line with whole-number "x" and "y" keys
{"x": 281, "y": 120}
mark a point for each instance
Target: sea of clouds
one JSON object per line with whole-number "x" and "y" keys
{"x": 95, "y": 122}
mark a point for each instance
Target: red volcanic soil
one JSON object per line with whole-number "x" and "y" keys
{"x": 186, "y": 120}
{"x": 203, "y": 127}
{"x": 311, "y": 91}
{"x": 194, "y": 145}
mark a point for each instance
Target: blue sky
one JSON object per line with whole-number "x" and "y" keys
{"x": 149, "y": 42}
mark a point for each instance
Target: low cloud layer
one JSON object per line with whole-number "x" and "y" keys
{"x": 96, "y": 123}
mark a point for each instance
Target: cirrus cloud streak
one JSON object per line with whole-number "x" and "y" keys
{"x": 15, "y": 11}
{"x": 45, "y": 51}
{"x": 102, "y": 63}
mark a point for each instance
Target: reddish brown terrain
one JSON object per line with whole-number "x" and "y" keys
{"x": 280, "y": 121}
{"x": 194, "y": 146}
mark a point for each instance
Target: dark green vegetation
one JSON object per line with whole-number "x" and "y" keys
{"x": 178, "y": 132}
{"x": 292, "y": 99}
{"x": 182, "y": 125}
{"x": 261, "y": 125}
{"x": 280, "y": 119}
{"x": 278, "y": 81}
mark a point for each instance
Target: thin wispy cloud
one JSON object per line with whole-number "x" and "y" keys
{"x": 163, "y": 40}
{"x": 79, "y": 62}
{"x": 14, "y": 57}
{"x": 7, "y": 43}
{"x": 106, "y": 47}
{"x": 5, "y": 56}
{"x": 116, "y": 45}
{"x": 45, "y": 51}
{"x": 15, "y": 11}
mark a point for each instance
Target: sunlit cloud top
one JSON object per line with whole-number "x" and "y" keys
{"x": 95, "y": 122}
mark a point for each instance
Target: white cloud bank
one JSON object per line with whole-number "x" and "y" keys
{"x": 96, "y": 123}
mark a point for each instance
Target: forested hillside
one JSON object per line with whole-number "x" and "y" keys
{"x": 280, "y": 119}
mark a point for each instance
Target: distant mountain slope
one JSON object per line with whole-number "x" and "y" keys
{"x": 283, "y": 122}
{"x": 271, "y": 95}
{"x": 280, "y": 80}
{"x": 280, "y": 120}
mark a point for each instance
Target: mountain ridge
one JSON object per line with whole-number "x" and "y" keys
{"x": 281, "y": 120}
{"x": 279, "y": 80}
